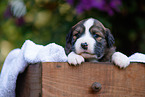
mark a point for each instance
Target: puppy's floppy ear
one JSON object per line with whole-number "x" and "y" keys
{"x": 68, "y": 45}
{"x": 109, "y": 38}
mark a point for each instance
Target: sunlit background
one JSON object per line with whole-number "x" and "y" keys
{"x": 47, "y": 21}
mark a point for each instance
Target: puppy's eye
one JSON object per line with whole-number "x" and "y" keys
{"x": 76, "y": 33}
{"x": 96, "y": 35}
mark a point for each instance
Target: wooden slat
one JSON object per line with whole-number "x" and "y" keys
{"x": 62, "y": 80}
{"x": 29, "y": 83}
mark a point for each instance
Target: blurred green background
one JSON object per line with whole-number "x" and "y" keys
{"x": 48, "y": 21}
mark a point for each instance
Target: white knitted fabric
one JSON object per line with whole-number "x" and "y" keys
{"x": 18, "y": 59}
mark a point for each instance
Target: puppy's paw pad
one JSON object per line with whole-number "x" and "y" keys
{"x": 120, "y": 60}
{"x": 74, "y": 59}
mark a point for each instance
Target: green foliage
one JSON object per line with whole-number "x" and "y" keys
{"x": 48, "y": 21}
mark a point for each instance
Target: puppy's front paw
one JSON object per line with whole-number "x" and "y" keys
{"x": 74, "y": 59}
{"x": 120, "y": 60}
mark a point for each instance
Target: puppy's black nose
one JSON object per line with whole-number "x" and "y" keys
{"x": 84, "y": 46}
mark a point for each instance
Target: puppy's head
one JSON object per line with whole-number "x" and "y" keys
{"x": 89, "y": 38}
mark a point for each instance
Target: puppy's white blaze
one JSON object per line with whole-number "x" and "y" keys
{"x": 86, "y": 38}
{"x": 89, "y": 23}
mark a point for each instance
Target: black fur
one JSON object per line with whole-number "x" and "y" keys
{"x": 69, "y": 43}
{"x": 100, "y": 48}
{"x": 109, "y": 38}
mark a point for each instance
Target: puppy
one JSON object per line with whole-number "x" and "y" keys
{"x": 90, "y": 41}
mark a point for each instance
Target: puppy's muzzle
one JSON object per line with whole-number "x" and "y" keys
{"x": 84, "y": 46}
